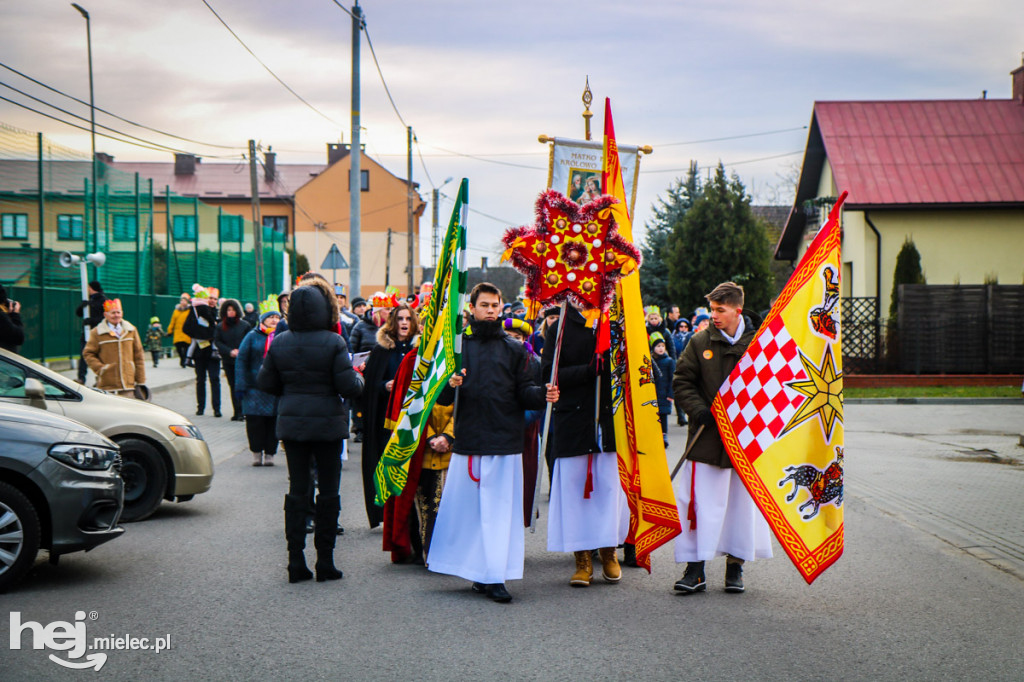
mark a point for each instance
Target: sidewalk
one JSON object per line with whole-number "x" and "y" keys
{"x": 167, "y": 377}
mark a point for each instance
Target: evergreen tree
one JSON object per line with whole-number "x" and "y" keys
{"x": 907, "y": 271}
{"x": 719, "y": 240}
{"x": 668, "y": 213}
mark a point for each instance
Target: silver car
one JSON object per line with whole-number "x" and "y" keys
{"x": 59, "y": 488}
{"x": 164, "y": 456}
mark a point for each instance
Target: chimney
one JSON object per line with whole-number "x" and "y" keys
{"x": 105, "y": 160}
{"x": 185, "y": 164}
{"x": 269, "y": 165}
{"x": 1018, "y": 83}
{"x": 335, "y": 152}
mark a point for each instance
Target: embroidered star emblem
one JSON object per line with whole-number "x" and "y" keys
{"x": 824, "y": 391}
{"x": 571, "y": 253}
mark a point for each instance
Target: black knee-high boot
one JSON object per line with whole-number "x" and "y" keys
{"x": 295, "y": 534}
{"x": 325, "y": 535}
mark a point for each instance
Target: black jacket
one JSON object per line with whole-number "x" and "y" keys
{"x": 95, "y": 306}
{"x": 12, "y": 331}
{"x": 572, "y": 428}
{"x": 498, "y": 387}
{"x": 363, "y": 336}
{"x": 201, "y": 323}
{"x": 228, "y": 338}
{"x": 308, "y": 366}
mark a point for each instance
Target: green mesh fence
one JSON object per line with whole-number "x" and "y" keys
{"x": 157, "y": 244}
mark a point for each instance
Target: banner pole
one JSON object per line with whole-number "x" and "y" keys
{"x": 682, "y": 459}
{"x": 547, "y": 419}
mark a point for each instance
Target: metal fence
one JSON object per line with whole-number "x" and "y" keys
{"x": 156, "y": 243}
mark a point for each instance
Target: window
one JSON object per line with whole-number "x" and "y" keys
{"x": 185, "y": 228}
{"x": 69, "y": 227}
{"x": 277, "y": 223}
{"x": 364, "y": 175}
{"x": 126, "y": 228}
{"x": 15, "y": 226}
{"x": 12, "y": 382}
{"x": 231, "y": 228}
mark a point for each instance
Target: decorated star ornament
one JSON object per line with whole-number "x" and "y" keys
{"x": 573, "y": 253}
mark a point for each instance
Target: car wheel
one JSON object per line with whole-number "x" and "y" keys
{"x": 19, "y": 535}
{"x": 145, "y": 478}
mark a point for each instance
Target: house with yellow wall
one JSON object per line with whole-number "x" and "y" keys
{"x": 947, "y": 174}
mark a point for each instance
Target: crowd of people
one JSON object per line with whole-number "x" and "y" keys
{"x": 307, "y": 370}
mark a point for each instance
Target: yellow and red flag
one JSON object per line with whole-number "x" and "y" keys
{"x": 643, "y": 469}
{"x": 780, "y": 412}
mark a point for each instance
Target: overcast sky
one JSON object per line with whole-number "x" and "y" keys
{"x": 485, "y": 78}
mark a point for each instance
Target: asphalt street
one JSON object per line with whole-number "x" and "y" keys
{"x": 931, "y": 585}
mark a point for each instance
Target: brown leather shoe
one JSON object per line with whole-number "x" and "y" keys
{"x": 610, "y": 570}
{"x": 584, "y": 570}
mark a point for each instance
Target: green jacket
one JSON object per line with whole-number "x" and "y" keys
{"x": 703, "y": 367}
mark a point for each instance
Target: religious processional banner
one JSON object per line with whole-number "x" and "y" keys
{"x": 438, "y": 357}
{"x": 577, "y": 171}
{"x": 643, "y": 468}
{"x": 780, "y": 412}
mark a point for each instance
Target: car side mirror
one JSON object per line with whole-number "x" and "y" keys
{"x": 34, "y": 389}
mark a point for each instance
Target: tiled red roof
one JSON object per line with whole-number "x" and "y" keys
{"x": 223, "y": 180}
{"x": 925, "y": 152}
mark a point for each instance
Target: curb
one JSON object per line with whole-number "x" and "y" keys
{"x": 171, "y": 386}
{"x": 933, "y": 401}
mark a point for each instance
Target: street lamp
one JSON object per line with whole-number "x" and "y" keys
{"x": 92, "y": 116}
{"x": 435, "y": 237}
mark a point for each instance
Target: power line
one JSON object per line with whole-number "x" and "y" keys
{"x": 98, "y": 125}
{"x": 732, "y": 137}
{"x": 343, "y": 8}
{"x": 75, "y": 125}
{"x": 286, "y": 86}
{"x": 486, "y": 160}
{"x": 113, "y": 115}
{"x": 727, "y": 165}
{"x": 381, "y": 74}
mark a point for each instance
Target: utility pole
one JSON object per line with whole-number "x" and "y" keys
{"x": 257, "y": 222}
{"x": 387, "y": 263}
{"x": 355, "y": 180}
{"x": 410, "y": 208}
{"x": 434, "y": 236}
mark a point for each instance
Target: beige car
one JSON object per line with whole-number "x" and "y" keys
{"x": 164, "y": 457}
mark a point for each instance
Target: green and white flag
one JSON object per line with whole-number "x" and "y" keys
{"x": 439, "y": 355}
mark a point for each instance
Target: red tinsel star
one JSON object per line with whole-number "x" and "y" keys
{"x": 572, "y": 253}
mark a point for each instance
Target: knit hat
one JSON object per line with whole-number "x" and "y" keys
{"x": 700, "y": 318}
{"x": 553, "y": 310}
{"x": 269, "y": 314}
{"x": 358, "y": 300}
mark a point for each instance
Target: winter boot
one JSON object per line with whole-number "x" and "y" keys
{"x": 610, "y": 570}
{"x": 693, "y": 579}
{"x": 295, "y": 534}
{"x": 733, "y": 574}
{"x": 584, "y": 570}
{"x": 268, "y": 459}
{"x": 257, "y": 459}
{"x": 324, "y": 536}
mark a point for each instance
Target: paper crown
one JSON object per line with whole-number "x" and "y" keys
{"x": 112, "y": 304}
{"x": 652, "y": 310}
{"x": 657, "y": 337}
{"x": 382, "y": 300}
{"x": 200, "y": 291}
{"x": 269, "y": 306}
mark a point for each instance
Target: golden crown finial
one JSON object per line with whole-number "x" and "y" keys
{"x": 588, "y": 97}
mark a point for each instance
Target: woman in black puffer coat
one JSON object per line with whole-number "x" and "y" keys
{"x": 309, "y": 367}
{"x": 228, "y": 338}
